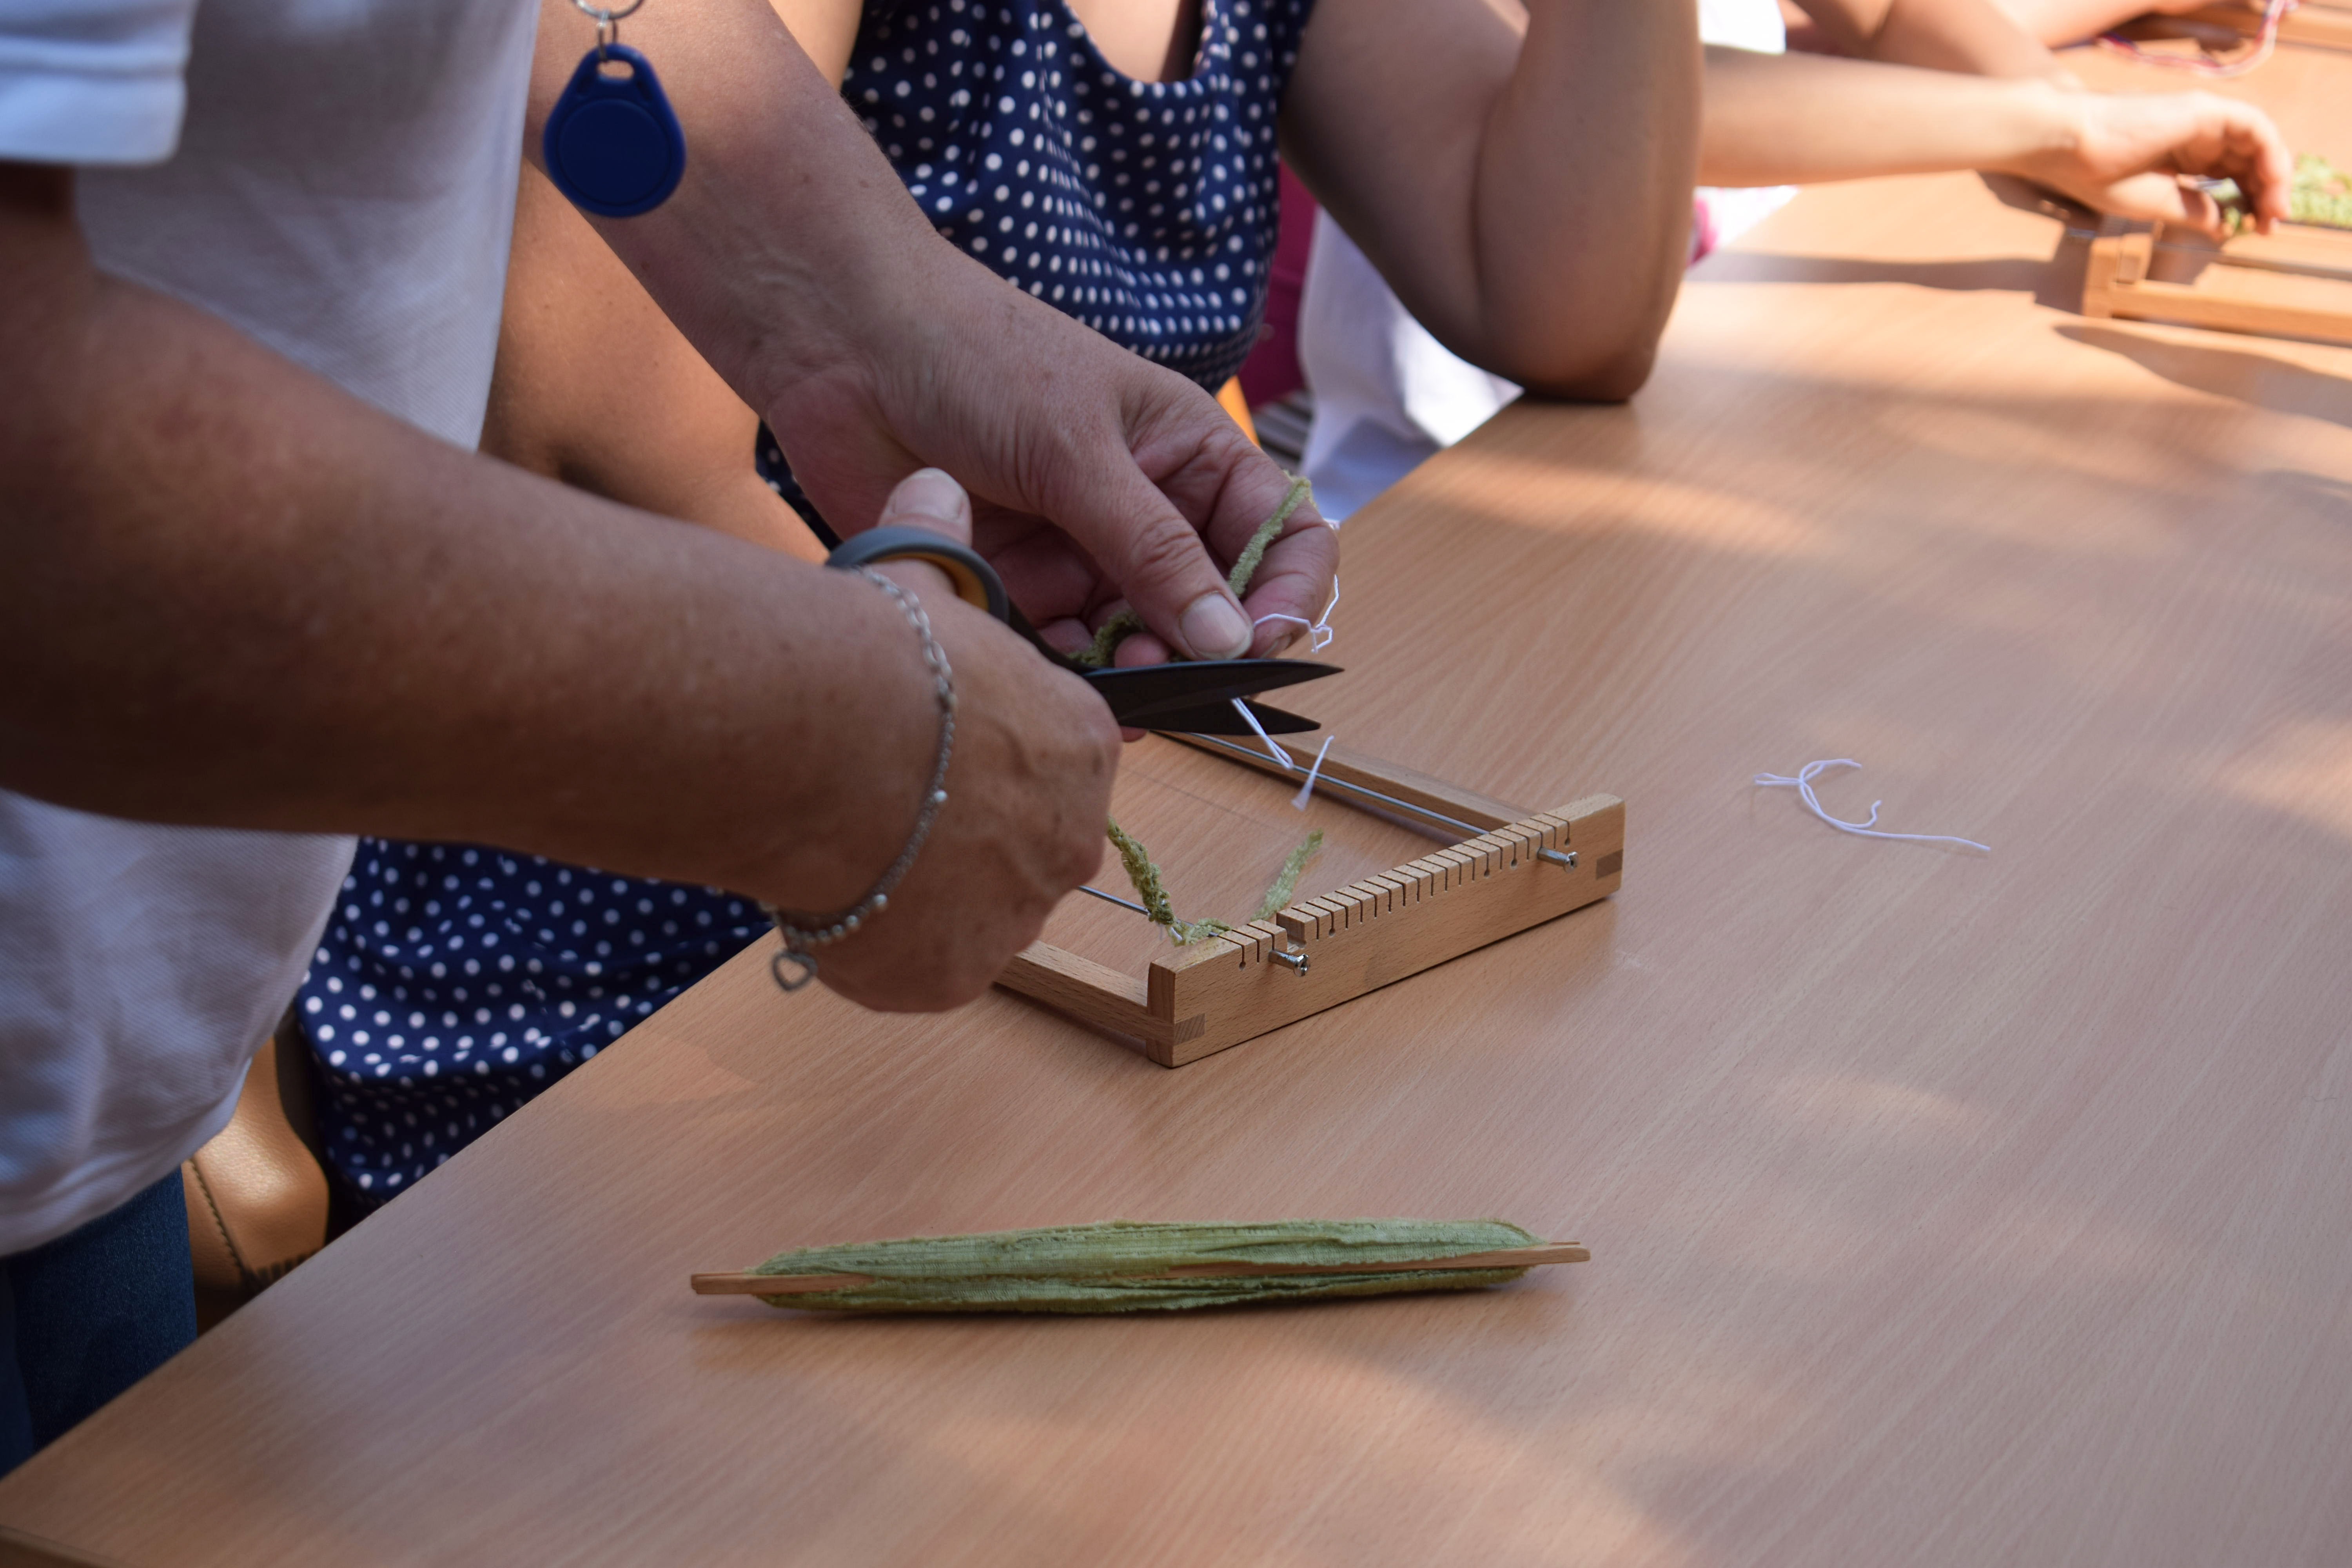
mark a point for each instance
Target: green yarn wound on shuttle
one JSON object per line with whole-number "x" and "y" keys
{"x": 1116, "y": 629}
{"x": 1093, "y": 1268}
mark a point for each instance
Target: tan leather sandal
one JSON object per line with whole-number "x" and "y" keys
{"x": 256, "y": 1193}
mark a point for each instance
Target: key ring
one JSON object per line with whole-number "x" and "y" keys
{"x": 608, "y": 21}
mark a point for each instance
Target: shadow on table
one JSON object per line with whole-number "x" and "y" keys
{"x": 2055, "y": 281}
{"x": 2263, "y": 380}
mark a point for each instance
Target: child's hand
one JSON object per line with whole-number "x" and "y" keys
{"x": 2124, "y": 153}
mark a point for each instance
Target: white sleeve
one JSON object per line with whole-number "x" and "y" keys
{"x": 93, "y": 82}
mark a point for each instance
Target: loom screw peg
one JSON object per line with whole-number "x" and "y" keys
{"x": 1566, "y": 862}
{"x": 1296, "y": 960}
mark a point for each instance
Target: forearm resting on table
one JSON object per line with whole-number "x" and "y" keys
{"x": 1775, "y": 120}
{"x": 236, "y": 596}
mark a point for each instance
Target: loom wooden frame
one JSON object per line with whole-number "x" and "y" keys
{"x": 2293, "y": 283}
{"x": 1224, "y": 989}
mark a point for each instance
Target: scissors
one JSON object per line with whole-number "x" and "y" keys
{"x": 1199, "y": 696}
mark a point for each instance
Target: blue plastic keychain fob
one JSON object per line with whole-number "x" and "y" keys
{"x": 612, "y": 145}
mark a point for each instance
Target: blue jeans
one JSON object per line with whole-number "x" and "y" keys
{"x": 84, "y": 1317}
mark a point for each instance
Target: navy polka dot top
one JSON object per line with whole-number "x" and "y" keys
{"x": 455, "y": 981}
{"x": 1147, "y": 210}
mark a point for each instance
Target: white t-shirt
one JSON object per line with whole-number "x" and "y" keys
{"x": 336, "y": 178}
{"x": 1387, "y": 395}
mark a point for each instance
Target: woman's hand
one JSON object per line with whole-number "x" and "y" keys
{"x": 1098, "y": 479}
{"x": 795, "y": 262}
{"x": 2121, "y": 153}
{"x": 1028, "y": 792}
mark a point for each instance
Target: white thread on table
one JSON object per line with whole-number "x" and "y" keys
{"x": 1319, "y": 632}
{"x": 1803, "y": 784}
{"x": 1298, "y": 801}
{"x": 1249, "y": 718}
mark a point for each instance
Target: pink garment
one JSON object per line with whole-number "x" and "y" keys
{"x": 1272, "y": 369}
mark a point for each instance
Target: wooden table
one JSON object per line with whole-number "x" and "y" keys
{"x": 1945, "y": 1208}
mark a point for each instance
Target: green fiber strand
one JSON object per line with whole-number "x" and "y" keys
{"x": 1153, "y": 891}
{"x": 1095, "y": 1268}
{"x": 1277, "y": 895}
{"x": 2319, "y": 195}
{"x": 1116, "y": 629}
{"x": 1245, "y": 564}
{"x": 1140, "y": 871}
{"x": 1143, "y": 874}
{"x": 1112, "y": 632}
{"x": 1149, "y": 888}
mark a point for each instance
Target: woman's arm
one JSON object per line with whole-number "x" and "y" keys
{"x": 1803, "y": 119}
{"x": 824, "y": 30}
{"x": 233, "y": 594}
{"x": 794, "y": 260}
{"x": 670, "y": 436}
{"x": 1525, "y": 187}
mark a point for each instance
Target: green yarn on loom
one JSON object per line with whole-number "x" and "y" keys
{"x": 1140, "y": 871}
{"x": 1154, "y": 893}
{"x": 1095, "y": 1268}
{"x": 1286, "y": 882}
{"x": 1153, "y": 890}
{"x": 2320, "y": 194}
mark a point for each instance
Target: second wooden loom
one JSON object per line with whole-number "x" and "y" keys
{"x": 1511, "y": 869}
{"x": 2293, "y": 283}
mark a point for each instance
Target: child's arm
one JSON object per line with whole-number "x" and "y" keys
{"x": 1803, "y": 118}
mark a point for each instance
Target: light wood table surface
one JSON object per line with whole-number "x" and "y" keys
{"x": 1945, "y": 1208}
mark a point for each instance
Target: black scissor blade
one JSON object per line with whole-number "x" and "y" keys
{"x": 1144, "y": 695}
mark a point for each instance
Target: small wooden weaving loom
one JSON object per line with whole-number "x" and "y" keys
{"x": 1512, "y": 869}
{"x": 2293, "y": 283}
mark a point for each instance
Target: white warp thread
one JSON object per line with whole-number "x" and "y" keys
{"x": 1250, "y": 718}
{"x": 1803, "y": 784}
{"x": 1298, "y": 801}
{"x": 1319, "y": 633}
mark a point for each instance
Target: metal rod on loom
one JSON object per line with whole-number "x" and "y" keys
{"x": 1554, "y": 857}
{"x": 1328, "y": 782}
{"x": 1115, "y": 898}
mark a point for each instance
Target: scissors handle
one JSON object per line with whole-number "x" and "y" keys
{"x": 976, "y": 582}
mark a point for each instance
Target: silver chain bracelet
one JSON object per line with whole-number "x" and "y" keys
{"x": 803, "y": 932}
